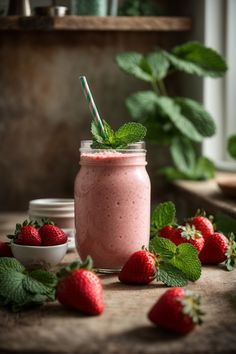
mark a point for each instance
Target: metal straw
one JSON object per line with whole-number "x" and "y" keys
{"x": 92, "y": 106}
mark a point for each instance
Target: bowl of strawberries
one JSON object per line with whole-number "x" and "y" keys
{"x": 37, "y": 245}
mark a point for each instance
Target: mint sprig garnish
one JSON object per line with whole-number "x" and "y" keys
{"x": 128, "y": 133}
{"x": 163, "y": 215}
{"x": 175, "y": 264}
{"x": 20, "y": 289}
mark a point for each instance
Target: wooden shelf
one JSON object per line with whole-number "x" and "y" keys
{"x": 94, "y": 23}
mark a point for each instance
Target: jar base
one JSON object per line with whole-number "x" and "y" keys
{"x": 107, "y": 270}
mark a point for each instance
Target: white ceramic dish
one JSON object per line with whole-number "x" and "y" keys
{"x": 39, "y": 256}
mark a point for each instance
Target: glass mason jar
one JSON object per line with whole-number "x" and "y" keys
{"x": 112, "y": 204}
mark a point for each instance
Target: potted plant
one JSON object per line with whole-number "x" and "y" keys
{"x": 179, "y": 123}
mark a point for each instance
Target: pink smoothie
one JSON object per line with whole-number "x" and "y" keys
{"x": 112, "y": 207}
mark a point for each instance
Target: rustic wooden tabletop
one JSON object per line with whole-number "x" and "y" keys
{"x": 123, "y": 327}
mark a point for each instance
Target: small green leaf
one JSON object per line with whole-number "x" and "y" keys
{"x": 164, "y": 214}
{"x": 197, "y": 115}
{"x": 11, "y": 286}
{"x": 134, "y": 63}
{"x": 96, "y": 132}
{"x": 171, "y": 276}
{"x": 158, "y": 64}
{"x": 231, "y": 146}
{"x": 183, "y": 155}
{"x": 205, "y": 168}
{"x": 168, "y": 107}
{"x": 186, "y": 259}
{"x": 11, "y": 263}
{"x": 194, "y": 58}
{"x": 162, "y": 247}
{"x": 130, "y": 133}
{"x": 142, "y": 105}
{"x": 47, "y": 278}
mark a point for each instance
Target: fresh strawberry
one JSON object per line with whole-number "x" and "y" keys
{"x": 80, "y": 289}
{"x": 5, "y": 249}
{"x": 215, "y": 249}
{"x": 203, "y": 224}
{"x": 167, "y": 232}
{"x": 26, "y": 234}
{"x": 139, "y": 269}
{"x": 52, "y": 235}
{"x": 177, "y": 310}
{"x": 184, "y": 234}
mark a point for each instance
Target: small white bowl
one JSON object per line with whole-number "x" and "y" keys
{"x": 39, "y": 256}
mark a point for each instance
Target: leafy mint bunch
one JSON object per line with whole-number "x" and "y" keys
{"x": 127, "y": 134}
{"x": 20, "y": 289}
{"x": 177, "y": 122}
{"x": 176, "y": 265}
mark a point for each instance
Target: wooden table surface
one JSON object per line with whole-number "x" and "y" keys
{"x": 123, "y": 327}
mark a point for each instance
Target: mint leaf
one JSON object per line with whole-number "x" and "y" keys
{"x": 127, "y": 134}
{"x": 11, "y": 286}
{"x": 20, "y": 289}
{"x": 197, "y": 115}
{"x": 142, "y": 105}
{"x": 130, "y": 133}
{"x": 169, "y": 108}
{"x": 163, "y": 215}
{"x": 134, "y": 63}
{"x": 158, "y": 64}
{"x": 170, "y": 275}
{"x": 162, "y": 247}
{"x": 194, "y": 58}
{"x": 44, "y": 277}
{"x": 186, "y": 259}
{"x": 205, "y": 169}
{"x": 10, "y": 263}
{"x": 231, "y": 146}
{"x": 96, "y": 132}
{"x": 183, "y": 155}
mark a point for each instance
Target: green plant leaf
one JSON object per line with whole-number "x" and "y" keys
{"x": 168, "y": 107}
{"x": 96, "y": 132}
{"x": 197, "y": 115}
{"x": 231, "y": 146}
{"x": 163, "y": 247}
{"x": 47, "y": 278}
{"x": 158, "y": 64}
{"x": 205, "y": 169}
{"x": 164, "y": 214}
{"x": 134, "y": 64}
{"x": 194, "y": 58}
{"x": 11, "y": 286}
{"x": 172, "y": 173}
{"x": 170, "y": 275}
{"x": 183, "y": 155}
{"x": 186, "y": 259}
{"x": 11, "y": 263}
{"x": 130, "y": 133}
{"x": 142, "y": 105}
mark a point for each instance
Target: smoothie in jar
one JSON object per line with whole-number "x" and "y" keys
{"x": 112, "y": 204}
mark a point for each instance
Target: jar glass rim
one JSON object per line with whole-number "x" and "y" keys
{"x": 139, "y": 146}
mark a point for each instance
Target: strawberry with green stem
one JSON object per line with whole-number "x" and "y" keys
{"x": 202, "y": 223}
{"x": 177, "y": 310}
{"x": 51, "y": 234}
{"x": 26, "y": 234}
{"x": 182, "y": 234}
{"x": 79, "y": 288}
{"x": 218, "y": 248}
